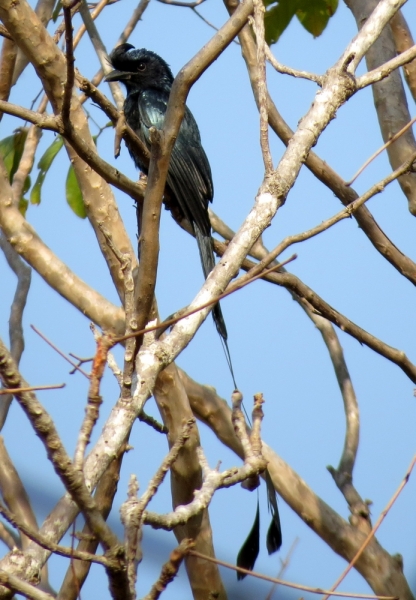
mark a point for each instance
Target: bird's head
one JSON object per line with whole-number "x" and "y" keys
{"x": 139, "y": 68}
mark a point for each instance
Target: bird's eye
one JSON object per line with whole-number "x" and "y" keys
{"x": 141, "y": 66}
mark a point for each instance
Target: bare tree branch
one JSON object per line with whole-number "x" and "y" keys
{"x": 17, "y": 585}
{"x": 186, "y": 479}
{"x": 17, "y": 344}
{"x": 48, "y": 265}
{"x": 288, "y": 70}
{"x": 104, "y": 496}
{"x": 323, "y": 171}
{"x": 126, "y": 33}
{"x": 403, "y": 40}
{"x": 389, "y": 97}
{"x": 384, "y": 70}
{"x": 169, "y": 570}
{"x": 387, "y": 576}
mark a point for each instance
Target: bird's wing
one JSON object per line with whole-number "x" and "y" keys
{"x": 189, "y": 176}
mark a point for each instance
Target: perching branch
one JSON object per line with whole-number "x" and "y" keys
{"x": 186, "y": 479}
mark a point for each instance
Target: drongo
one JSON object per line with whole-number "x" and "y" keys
{"x": 148, "y": 80}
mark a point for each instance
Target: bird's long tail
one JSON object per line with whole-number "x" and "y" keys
{"x": 208, "y": 263}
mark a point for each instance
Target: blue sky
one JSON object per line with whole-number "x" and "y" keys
{"x": 275, "y": 349}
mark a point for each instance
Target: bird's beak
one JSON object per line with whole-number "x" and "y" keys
{"x": 117, "y": 76}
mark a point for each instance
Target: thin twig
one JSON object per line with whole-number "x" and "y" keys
{"x": 388, "y": 67}
{"x": 233, "y": 287}
{"x": 160, "y": 474}
{"x": 380, "y": 150}
{"x": 84, "y": 151}
{"x": 100, "y": 51}
{"x": 296, "y": 586}
{"x": 28, "y": 158}
{"x": 132, "y": 510}
{"x": 372, "y": 533}
{"x": 323, "y": 172}
{"x": 315, "y": 302}
{"x": 4, "y": 33}
{"x": 46, "y": 543}
{"x": 213, "y": 480}
{"x": 8, "y": 537}
{"x": 104, "y": 495}
{"x": 32, "y": 389}
{"x": 52, "y": 345}
{"x": 152, "y": 422}
{"x": 92, "y": 412}
{"x": 94, "y": 14}
{"x": 280, "y": 68}
{"x": 284, "y": 565}
{"x": 170, "y": 569}
{"x": 182, "y": 4}
{"x": 343, "y": 214}
{"x": 205, "y": 20}
{"x": 343, "y": 475}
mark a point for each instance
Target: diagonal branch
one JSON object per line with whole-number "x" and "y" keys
{"x": 389, "y": 96}
{"x": 383, "y": 573}
{"x": 45, "y": 429}
{"x": 323, "y": 171}
{"x": 50, "y": 267}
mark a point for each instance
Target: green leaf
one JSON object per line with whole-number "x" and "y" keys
{"x": 74, "y": 195}
{"x": 23, "y": 204}
{"x": 315, "y": 15}
{"x": 312, "y": 14}
{"x": 11, "y": 150}
{"x": 26, "y": 185}
{"x": 278, "y": 17}
{"x": 56, "y": 11}
{"x": 44, "y": 166}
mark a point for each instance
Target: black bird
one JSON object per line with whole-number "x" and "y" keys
{"x": 148, "y": 80}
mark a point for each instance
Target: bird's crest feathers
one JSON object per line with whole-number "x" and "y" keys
{"x": 144, "y": 67}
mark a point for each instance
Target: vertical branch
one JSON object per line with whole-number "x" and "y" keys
{"x": 343, "y": 475}
{"x": 149, "y": 234}
{"x": 101, "y": 51}
{"x": 403, "y": 40}
{"x": 104, "y": 343}
{"x": 262, "y": 85}
{"x": 17, "y": 343}
{"x": 7, "y": 62}
{"x": 44, "y": 427}
{"x": 104, "y": 496}
{"x": 69, "y": 52}
{"x": 14, "y": 493}
{"x": 186, "y": 478}
{"x": 94, "y": 14}
{"x": 389, "y": 98}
